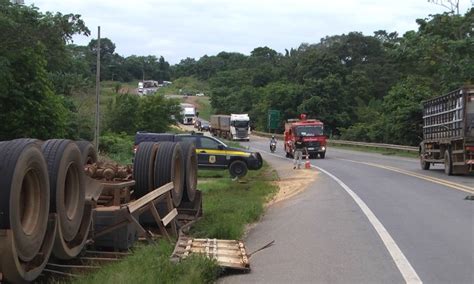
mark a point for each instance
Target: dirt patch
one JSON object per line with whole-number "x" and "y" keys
{"x": 128, "y": 90}
{"x": 196, "y": 101}
{"x": 298, "y": 181}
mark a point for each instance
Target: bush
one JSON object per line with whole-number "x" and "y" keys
{"x": 117, "y": 147}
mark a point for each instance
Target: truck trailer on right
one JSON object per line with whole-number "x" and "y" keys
{"x": 448, "y": 132}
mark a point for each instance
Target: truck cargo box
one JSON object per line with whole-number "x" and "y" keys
{"x": 449, "y": 116}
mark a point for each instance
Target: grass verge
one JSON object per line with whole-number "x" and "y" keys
{"x": 205, "y": 108}
{"x": 229, "y": 205}
{"x": 151, "y": 264}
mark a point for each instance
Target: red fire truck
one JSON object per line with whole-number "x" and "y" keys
{"x": 312, "y": 132}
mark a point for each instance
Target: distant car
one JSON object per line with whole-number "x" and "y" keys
{"x": 204, "y": 126}
{"x": 200, "y": 95}
{"x": 197, "y": 124}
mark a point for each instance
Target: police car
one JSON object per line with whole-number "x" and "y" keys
{"x": 212, "y": 153}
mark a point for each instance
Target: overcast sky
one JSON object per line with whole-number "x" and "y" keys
{"x": 178, "y": 29}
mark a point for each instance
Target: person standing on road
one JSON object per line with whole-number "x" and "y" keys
{"x": 299, "y": 148}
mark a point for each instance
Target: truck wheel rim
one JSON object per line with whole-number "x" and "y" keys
{"x": 71, "y": 192}
{"x": 30, "y": 202}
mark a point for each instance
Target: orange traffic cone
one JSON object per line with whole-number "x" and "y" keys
{"x": 307, "y": 163}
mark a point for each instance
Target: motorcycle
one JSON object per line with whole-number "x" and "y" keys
{"x": 273, "y": 146}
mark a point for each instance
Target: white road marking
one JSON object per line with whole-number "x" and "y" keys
{"x": 406, "y": 269}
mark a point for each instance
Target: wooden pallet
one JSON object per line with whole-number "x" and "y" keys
{"x": 228, "y": 253}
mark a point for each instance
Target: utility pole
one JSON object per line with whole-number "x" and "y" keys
{"x": 97, "y": 93}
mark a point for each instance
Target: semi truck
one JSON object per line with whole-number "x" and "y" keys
{"x": 312, "y": 132}
{"x": 188, "y": 113}
{"x": 232, "y": 127}
{"x": 448, "y": 132}
{"x": 147, "y": 87}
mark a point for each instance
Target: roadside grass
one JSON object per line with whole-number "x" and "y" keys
{"x": 387, "y": 152}
{"x": 232, "y": 144}
{"x": 206, "y": 174}
{"x": 186, "y": 85}
{"x": 151, "y": 264}
{"x": 204, "y": 108}
{"x": 228, "y": 205}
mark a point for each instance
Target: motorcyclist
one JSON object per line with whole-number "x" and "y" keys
{"x": 273, "y": 141}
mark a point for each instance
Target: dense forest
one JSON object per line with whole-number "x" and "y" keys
{"x": 365, "y": 88}
{"x": 47, "y": 82}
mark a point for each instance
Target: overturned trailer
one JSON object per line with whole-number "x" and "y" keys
{"x": 55, "y": 199}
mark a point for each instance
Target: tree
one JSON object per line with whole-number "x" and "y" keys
{"x": 403, "y": 110}
{"x": 156, "y": 113}
{"x": 123, "y": 114}
{"x": 28, "y": 105}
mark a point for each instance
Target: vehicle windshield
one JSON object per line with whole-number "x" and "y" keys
{"x": 240, "y": 123}
{"x": 309, "y": 130}
{"x": 211, "y": 143}
{"x": 189, "y": 115}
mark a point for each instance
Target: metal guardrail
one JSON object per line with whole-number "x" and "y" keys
{"x": 375, "y": 145}
{"x": 353, "y": 143}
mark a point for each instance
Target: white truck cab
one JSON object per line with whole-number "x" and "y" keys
{"x": 240, "y": 126}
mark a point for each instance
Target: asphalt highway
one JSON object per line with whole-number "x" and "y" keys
{"x": 367, "y": 218}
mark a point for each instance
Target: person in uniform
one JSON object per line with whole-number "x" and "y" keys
{"x": 298, "y": 155}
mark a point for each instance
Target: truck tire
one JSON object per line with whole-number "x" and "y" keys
{"x": 238, "y": 168}
{"x": 190, "y": 171}
{"x": 260, "y": 161}
{"x": 24, "y": 195}
{"x": 143, "y": 168}
{"x": 66, "y": 176}
{"x": 169, "y": 167}
{"x": 322, "y": 155}
{"x": 22, "y": 163}
{"x": 448, "y": 163}
{"x": 68, "y": 197}
{"x": 89, "y": 155}
{"x": 424, "y": 165}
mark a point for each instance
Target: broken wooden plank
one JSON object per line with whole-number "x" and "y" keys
{"x": 139, "y": 203}
{"x": 170, "y": 216}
